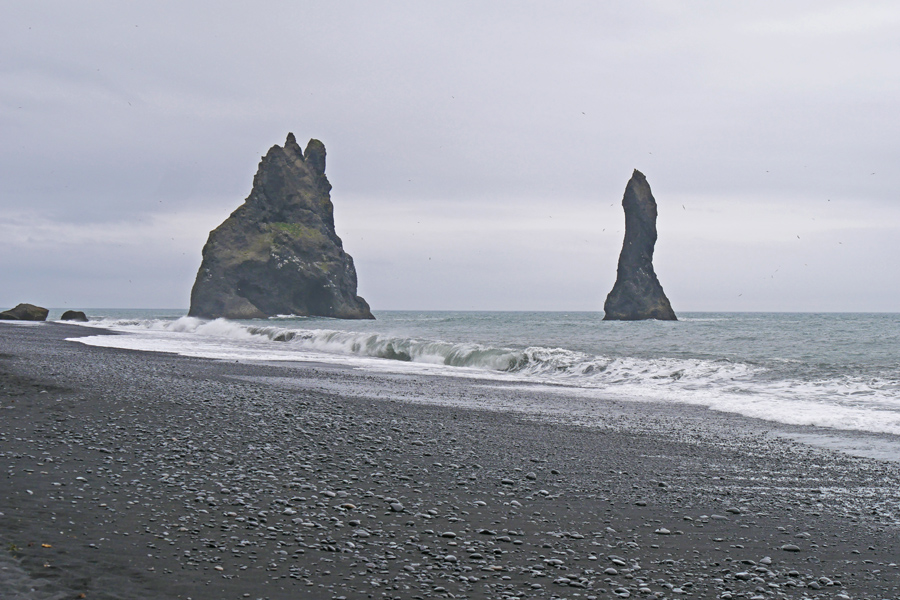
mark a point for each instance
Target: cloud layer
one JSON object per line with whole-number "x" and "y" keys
{"x": 474, "y": 149}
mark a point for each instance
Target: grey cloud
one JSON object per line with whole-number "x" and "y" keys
{"x": 114, "y": 113}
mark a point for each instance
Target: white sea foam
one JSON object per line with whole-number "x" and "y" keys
{"x": 841, "y": 401}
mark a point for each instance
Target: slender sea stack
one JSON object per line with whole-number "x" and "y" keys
{"x": 278, "y": 253}
{"x": 637, "y": 293}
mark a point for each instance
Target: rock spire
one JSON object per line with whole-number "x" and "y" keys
{"x": 278, "y": 253}
{"x": 637, "y": 293}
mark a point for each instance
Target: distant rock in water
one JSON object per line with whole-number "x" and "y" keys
{"x": 74, "y": 315}
{"x": 278, "y": 253}
{"x": 637, "y": 293}
{"x": 25, "y": 312}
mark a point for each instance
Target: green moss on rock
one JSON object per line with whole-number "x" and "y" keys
{"x": 302, "y": 233}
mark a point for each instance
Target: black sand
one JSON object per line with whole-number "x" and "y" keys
{"x": 138, "y": 475}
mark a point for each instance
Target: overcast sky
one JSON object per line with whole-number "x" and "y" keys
{"x": 478, "y": 150}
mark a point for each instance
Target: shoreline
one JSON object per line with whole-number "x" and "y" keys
{"x": 561, "y": 404}
{"x": 178, "y": 457}
{"x": 870, "y": 431}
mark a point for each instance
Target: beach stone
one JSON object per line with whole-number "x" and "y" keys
{"x": 790, "y": 548}
{"x": 397, "y": 507}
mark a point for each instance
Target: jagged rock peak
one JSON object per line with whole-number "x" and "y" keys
{"x": 291, "y": 145}
{"x": 315, "y": 156}
{"x": 637, "y": 293}
{"x": 278, "y": 253}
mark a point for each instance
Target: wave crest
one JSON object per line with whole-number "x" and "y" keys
{"x": 540, "y": 362}
{"x": 658, "y": 377}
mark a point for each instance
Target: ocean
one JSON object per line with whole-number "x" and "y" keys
{"x": 839, "y": 371}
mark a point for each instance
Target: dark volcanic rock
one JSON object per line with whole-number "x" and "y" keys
{"x": 25, "y": 312}
{"x": 278, "y": 253}
{"x": 74, "y": 315}
{"x": 637, "y": 293}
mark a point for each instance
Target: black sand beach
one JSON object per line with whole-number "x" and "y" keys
{"x": 137, "y": 475}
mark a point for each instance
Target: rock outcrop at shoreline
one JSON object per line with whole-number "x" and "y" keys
{"x": 74, "y": 315}
{"x": 637, "y": 293}
{"x": 25, "y": 312}
{"x": 278, "y": 253}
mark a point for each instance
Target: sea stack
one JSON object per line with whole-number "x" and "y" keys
{"x": 278, "y": 253}
{"x": 637, "y": 293}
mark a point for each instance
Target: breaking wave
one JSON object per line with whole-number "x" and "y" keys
{"x": 679, "y": 379}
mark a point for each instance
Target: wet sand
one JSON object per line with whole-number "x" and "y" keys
{"x": 137, "y": 475}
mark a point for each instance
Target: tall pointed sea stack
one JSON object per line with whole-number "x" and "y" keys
{"x": 278, "y": 253}
{"x": 637, "y": 293}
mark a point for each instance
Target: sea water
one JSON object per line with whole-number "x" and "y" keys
{"x": 840, "y": 371}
